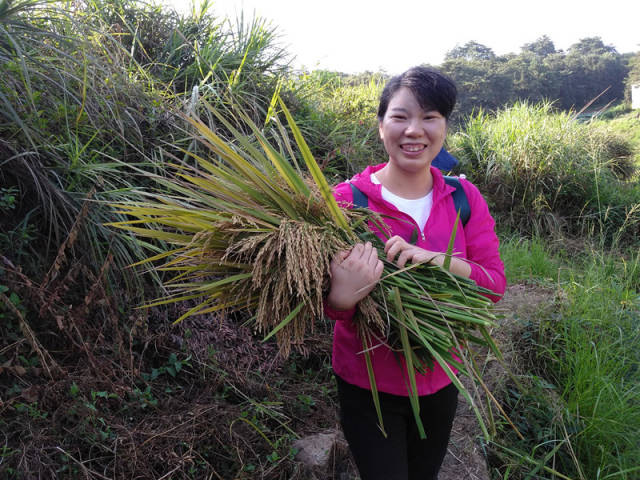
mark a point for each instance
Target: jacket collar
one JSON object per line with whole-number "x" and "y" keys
{"x": 363, "y": 181}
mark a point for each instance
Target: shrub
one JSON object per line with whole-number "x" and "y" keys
{"x": 544, "y": 172}
{"x": 337, "y": 115}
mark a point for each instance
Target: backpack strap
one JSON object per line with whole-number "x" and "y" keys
{"x": 360, "y": 200}
{"x": 460, "y": 200}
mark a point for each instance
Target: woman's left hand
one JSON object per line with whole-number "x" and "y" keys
{"x": 397, "y": 246}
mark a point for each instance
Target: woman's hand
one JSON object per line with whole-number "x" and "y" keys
{"x": 353, "y": 275}
{"x": 409, "y": 253}
{"x": 405, "y": 252}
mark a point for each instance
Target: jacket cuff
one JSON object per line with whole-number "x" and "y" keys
{"x": 338, "y": 315}
{"x": 481, "y": 278}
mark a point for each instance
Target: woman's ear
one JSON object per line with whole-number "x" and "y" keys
{"x": 380, "y": 131}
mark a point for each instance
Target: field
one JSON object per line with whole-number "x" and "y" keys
{"x": 94, "y": 108}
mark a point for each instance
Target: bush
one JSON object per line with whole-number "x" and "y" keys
{"x": 337, "y": 114}
{"x": 544, "y": 172}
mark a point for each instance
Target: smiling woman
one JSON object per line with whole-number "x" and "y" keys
{"x": 412, "y": 137}
{"x": 411, "y": 196}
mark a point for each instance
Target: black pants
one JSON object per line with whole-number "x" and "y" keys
{"x": 402, "y": 455}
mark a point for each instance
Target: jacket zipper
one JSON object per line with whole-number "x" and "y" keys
{"x": 393, "y": 207}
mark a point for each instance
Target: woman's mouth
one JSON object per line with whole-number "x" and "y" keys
{"x": 413, "y": 147}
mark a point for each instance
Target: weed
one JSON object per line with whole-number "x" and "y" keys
{"x": 31, "y": 409}
{"x": 8, "y": 198}
{"x": 173, "y": 367}
{"x": 306, "y": 402}
{"x": 144, "y": 398}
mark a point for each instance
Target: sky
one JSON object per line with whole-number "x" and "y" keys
{"x": 353, "y": 36}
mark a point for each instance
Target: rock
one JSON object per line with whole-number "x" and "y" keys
{"x": 319, "y": 454}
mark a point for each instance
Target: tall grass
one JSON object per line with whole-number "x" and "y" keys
{"x": 544, "y": 172}
{"x": 90, "y": 88}
{"x": 595, "y": 359}
{"x": 579, "y": 397}
{"x": 72, "y": 107}
{"x": 337, "y": 113}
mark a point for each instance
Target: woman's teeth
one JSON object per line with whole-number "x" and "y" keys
{"x": 412, "y": 148}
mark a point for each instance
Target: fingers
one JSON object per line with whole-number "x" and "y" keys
{"x": 363, "y": 257}
{"x": 372, "y": 259}
{"x": 379, "y": 268}
{"x": 353, "y": 275}
{"x": 361, "y": 252}
{"x": 374, "y": 264}
{"x": 394, "y": 246}
{"x": 404, "y": 257}
{"x": 341, "y": 256}
{"x": 405, "y": 252}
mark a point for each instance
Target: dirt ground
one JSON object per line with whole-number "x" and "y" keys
{"x": 465, "y": 459}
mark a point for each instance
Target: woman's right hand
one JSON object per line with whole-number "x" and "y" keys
{"x": 353, "y": 275}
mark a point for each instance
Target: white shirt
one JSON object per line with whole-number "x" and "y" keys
{"x": 417, "y": 208}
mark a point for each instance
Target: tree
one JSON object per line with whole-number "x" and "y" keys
{"x": 471, "y": 51}
{"x": 591, "y": 46}
{"x": 538, "y": 72}
{"x": 542, "y": 47}
{"x": 593, "y": 67}
{"x": 481, "y": 84}
{"x": 634, "y": 75}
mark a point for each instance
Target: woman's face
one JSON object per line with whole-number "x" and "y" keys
{"x": 412, "y": 137}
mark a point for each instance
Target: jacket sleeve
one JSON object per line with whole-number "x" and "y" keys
{"x": 344, "y": 196}
{"x": 487, "y": 269}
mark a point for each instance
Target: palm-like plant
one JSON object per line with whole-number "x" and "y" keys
{"x": 250, "y": 231}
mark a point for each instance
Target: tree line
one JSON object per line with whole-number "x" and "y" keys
{"x": 572, "y": 79}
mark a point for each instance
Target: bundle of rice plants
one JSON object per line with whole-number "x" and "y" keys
{"x": 251, "y": 230}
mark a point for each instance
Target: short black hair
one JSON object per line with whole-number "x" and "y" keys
{"x": 432, "y": 89}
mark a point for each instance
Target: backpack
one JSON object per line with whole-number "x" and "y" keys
{"x": 460, "y": 200}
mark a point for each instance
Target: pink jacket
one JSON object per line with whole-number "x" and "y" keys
{"x": 476, "y": 242}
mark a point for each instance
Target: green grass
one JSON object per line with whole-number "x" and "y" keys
{"x": 545, "y": 173}
{"x": 580, "y": 384}
{"x": 528, "y": 259}
{"x": 595, "y": 359}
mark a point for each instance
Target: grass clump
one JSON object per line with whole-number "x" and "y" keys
{"x": 337, "y": 115}
{"x": 627, "y": 125}
{"x": 544, "y": 172}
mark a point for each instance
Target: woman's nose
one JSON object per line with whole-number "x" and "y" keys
{"x": 414, "y": 128}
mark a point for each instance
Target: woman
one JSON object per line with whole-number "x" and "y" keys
{"x": 413, "y": 113}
